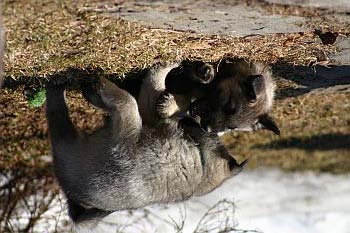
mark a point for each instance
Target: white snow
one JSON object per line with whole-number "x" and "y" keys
{"x": 263, "y": 200}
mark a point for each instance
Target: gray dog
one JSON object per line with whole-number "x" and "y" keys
{"x": 140, "y": 158}
{"x": 127, "y": 164}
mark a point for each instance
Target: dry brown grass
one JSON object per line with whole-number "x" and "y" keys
{"x": 315, "y": 135}
{"x": 45, "y": 37}
{"x": 48, "y": 37}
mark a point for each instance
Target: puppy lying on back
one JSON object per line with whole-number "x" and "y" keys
{"x": 232, "y": 95}
{"x": 132, "y": 161}
{"x": 128, "y": 164}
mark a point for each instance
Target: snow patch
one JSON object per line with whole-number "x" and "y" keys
{"x": 270, "y": 201}
{"x": 262, "y": 200}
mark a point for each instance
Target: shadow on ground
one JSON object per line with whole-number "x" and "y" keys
{"x": 309, "y": 78}
{"x": 306, "y": 78}
{"x": 75, "y": 77}
{"x": 317, "y": 142}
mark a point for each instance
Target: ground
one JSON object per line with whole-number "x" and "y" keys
{"x": 50, "y": 39}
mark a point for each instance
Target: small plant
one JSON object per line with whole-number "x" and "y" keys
{"x": 37, "y": 99}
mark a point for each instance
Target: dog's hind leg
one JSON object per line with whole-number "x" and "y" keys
{"x": 122, "y": 106}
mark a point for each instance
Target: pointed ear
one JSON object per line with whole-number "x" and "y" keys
{"x": 236, "y": 168}
{"x": 254, "y": 86}
{"x": 266, "y": 122}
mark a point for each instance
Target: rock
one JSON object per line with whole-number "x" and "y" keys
{"x": 208, "y": 18}
{"x": 336, "y": 5}
{"x": 343, "y": 56}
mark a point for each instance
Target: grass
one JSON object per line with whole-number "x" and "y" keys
{"x": 46, "y": 39}
{"x": 315, "y": 135}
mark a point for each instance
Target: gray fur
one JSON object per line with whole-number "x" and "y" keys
{"x": 128, "y": 164}
{"x": 222, "y": 105}
{"x": 240, "y": 98}
{"x": 152, "y": 87}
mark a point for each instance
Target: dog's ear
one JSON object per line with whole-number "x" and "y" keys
{"x": 266, "y": 122}
{"x": 254, "y": 86}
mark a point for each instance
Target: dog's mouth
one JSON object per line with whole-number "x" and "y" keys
{"x": 202, "y": 112}
{"x": 199, "y": 108}
{"x": 224, "y": 130}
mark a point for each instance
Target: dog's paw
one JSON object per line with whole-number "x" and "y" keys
{"x": 192, "y": 129}
{"x": 166, "y": 105}
{"x": 204, "y": 73}
{"x": 92, "y": 93}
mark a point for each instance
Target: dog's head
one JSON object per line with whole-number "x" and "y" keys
{"x": 239, "y": 98}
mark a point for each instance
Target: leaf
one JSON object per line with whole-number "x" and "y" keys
{"x": 37, "y": 99}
